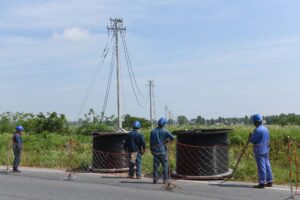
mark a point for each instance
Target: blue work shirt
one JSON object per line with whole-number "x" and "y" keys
{"x": 158, "y": 139}
{"x": 260, "y": 140}
{"x": 134, "y": 141}
{"x": 17, "y": 140}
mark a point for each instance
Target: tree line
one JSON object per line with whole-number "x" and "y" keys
{"x": 282, "y": 119}
{"x": 53, "y": 122}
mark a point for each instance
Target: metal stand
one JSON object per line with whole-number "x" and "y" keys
{"x": 169, "y": 185}
{"x": 70, "y": 177}
{"x": 291, "y": 197}
{"x": 290, "y": 169}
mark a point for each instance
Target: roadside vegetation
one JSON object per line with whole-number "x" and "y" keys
{"x": 51, "y": 141}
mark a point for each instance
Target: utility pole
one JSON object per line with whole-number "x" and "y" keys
{"x": 170, "y": 117}
{"x": 116, "y": 26}
{"x": 151, "y": 85}
{"x": 166, "y": 111}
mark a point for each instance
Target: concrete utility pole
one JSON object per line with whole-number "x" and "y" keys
{"x": 151, "y": 85}
{"x": 166, "y": 111}
{"x": 116, "y": 26}
{"x": 170, "y": 117}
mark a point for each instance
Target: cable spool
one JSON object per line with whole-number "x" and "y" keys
{"x": 202, "y": 154}
{"x": 108, "y": 152}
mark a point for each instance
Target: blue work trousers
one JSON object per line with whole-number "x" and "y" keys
{"x": 17, "y": 156}
{"x": 138, "y": 164}
{"x": 264, "y": 168}
{"x": 163, "y": 160}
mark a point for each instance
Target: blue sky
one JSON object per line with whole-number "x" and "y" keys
{"x": 207, "y": 57}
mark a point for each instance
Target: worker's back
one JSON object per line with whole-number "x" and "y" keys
{"x": 158, "y": 139}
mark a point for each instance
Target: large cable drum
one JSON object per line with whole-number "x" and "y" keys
{"x": 202, "y": 154}
{"x": 108, "y": 152}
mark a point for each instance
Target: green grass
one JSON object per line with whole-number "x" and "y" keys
{"x": 52, "y": 150}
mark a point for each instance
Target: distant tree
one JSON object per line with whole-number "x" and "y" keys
{"x": 92, "y": 123}
{"x": 246, "y": 120}
{"x": 128, "y": 121}
{"x": 182, "y": 120}
{"x": 51, "y": 122}
{"x": 171, "y": 122}
{"x": 200, "y": 120}
{"x": 6, "y": 123}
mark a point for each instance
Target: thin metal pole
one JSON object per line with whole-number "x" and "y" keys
{"x": 151, "y": 103}
{"x": 166, "y": 111}
{"x": 7, "y": 156}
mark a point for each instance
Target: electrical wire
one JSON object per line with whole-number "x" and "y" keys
{"x": 133, "y": 82}
{"x": 108, "y": 86}
{"x": 93, "y": 79}
{"x": 129, "y": 64}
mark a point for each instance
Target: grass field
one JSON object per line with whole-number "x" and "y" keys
{"x": 54, "y": 150}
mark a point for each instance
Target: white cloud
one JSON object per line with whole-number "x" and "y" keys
{"x": 73, "y": 33}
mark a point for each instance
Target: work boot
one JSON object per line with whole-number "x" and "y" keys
{"x": 129, "y": 176}
{"x": 138, "y": 177}
{"x": 154, "y": 181}
{"x": 259, "y": 186}
{"x": 269, "y": 184}
{"x": 16, "y": 171}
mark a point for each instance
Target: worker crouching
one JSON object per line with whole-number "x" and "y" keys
{"x": 135, "y": 146}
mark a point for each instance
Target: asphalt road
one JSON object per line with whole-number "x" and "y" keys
{"x": 50, "y": 185}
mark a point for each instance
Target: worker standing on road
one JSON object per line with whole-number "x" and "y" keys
{"x": 158, "y": 139}
{"x": 17, "y": 147}
{"x": 260, "y": 139}
{"x": 135, "y": 145}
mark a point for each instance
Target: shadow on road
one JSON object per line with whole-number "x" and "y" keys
{"x": 232, "y": 185}
{"x": 137, "y": 182}
{"x": 115, "y": 177}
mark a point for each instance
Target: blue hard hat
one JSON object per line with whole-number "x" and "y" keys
{"x": 19, "y": 128}
{"x": 257, "y": 118}
{"x": 162, "y": 121}
{"x": 137, "y": 124}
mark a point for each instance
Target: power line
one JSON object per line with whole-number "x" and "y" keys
{"x": 129, "y": 64}
{"x": 108, "y": 85}
{"x": 131, "y": 76}
{"x": 93, "y": 79}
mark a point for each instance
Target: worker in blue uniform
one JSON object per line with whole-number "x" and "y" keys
{"x": 135, "y": 146}
{"x": 17, "y": 147}
{"x": 159, "y": 137}
{"x": 260, "y": 139}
